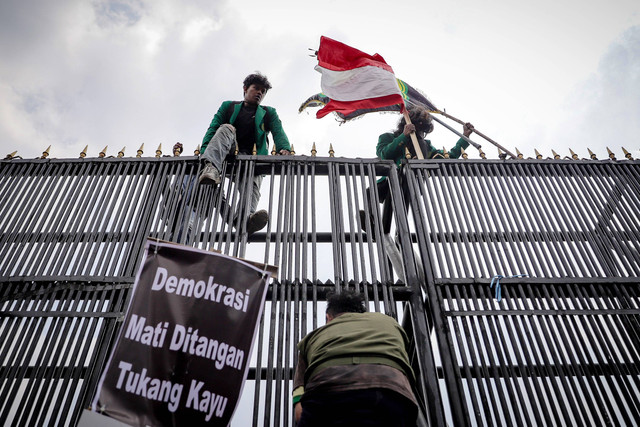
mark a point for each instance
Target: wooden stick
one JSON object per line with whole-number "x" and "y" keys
{"x": 479, "y": 133}
{"x": 475, "y": 144}
{"x": 414, "y": 138}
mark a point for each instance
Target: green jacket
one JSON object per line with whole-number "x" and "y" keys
{"x": 392, "y": 148}
{"x": 267, "y": 120}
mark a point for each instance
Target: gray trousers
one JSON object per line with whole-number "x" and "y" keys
{"x": 222, "y": 144}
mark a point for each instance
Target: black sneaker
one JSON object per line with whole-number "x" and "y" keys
{"x": 257, "y": 221}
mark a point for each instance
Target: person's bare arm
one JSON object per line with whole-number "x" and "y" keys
{"x": 298, "y": 411}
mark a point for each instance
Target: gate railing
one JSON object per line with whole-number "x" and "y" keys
{"x": 532, "y": 281}
{"x": 561, "y": 345}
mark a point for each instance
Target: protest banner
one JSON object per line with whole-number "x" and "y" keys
{"x": 183, "y": 353}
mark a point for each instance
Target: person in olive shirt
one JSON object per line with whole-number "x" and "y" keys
{"x": 246, "y": 123}
{"x": 354, "y": 370}
{"x": 391, "y": 146}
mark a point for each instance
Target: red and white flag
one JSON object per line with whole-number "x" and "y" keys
{"x": 354, "y": 80}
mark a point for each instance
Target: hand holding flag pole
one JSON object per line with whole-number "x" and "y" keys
{"x": 354, "y": 80}
{"x": 466, "y": 138}
{"x": 356, "y": 83}
{"x": 417, "y": 98}
{"x": 414, "y": 138}
{"x": 474, "y": 130}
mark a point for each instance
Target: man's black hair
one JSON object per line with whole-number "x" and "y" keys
{"x": 256, "y": 78}
{"x": 419, "y": 117}
{"x": 345, "y": 302}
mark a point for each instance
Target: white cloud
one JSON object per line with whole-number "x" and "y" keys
{"x": 126, "y": 72}
{"x": 117, "y": 13}
{"x": 602, "y": 111}
{"x": 198, "y": 28}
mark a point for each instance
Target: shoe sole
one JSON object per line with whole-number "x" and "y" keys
{"x": 205, "y": 180}
{"x": 263, "y": 225}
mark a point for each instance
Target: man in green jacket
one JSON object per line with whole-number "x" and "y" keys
{"x": 391, "y": 146}
{"x": 354, "y": 370}
{"x": 246, "y": 123}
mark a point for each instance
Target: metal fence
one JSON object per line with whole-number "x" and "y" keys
{"x": 560, "y": 347}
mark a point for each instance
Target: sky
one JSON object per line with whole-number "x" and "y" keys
{"x": 546, "y": 75}
{"x": 530, "y": 75}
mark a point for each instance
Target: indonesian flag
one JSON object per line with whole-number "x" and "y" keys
{"x": 354, "y": 80}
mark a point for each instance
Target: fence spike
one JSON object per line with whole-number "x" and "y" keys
{"x": 196, "y": 152}
{"x": 592, "y": 154}
{"x": 121, "y": 152}
{"x": 140, "y": 151}
{"x": 611, "y": 155}
{"x": 627, "y": 154}
{"x": 501, "y": 154}
{"x": 462, "y": 153}
{"x": 83, "y": 153}
{"x": 11, "y": 155}
{"x": 255, "y": 150}
{"x": 159, "y": 150}
{"x": 292, "y": 151}
{"x": 273, "y": 150}
{"x": 519, "y": 154}
{"x": 538, "y": 155}
{"x": 574, "y": 156}
{"x": 237, "y": 150}
{"x": 45, "y": 153}
{"x": 482, "y": 155}
{"x": 556, "y": 156}
{"x": 103, "y": 152}
{"x": 313, "y": 150}
{"x": 331, "y": 152}
{"x": 445, "y": 153}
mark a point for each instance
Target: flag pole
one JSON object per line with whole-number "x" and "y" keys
{"x": 479, "y": 133}
{"x": 475, "y": 144}
{"x": 414, "y": 138}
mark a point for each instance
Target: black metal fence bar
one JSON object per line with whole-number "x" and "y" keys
{"x": 82, "y": 218}
{"x": 50, "y": 364}
{"x": 557, "y": 347}
{"x": 543, "y": 219}
{"x": 84, "y": 222}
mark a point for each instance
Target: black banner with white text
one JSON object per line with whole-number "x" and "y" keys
{"x": 183, "y": 352}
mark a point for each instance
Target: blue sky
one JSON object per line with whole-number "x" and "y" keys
{"x": 545, "y": 75}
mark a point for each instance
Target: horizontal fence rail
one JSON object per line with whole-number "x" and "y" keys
{"x": 560, "y": 346}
